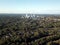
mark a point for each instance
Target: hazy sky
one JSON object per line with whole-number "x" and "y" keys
{"x": 30, "y": 6}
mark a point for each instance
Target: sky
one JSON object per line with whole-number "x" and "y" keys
{"x": 30, "y": 6}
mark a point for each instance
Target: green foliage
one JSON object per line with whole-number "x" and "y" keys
{"x": 16, "y": 30}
